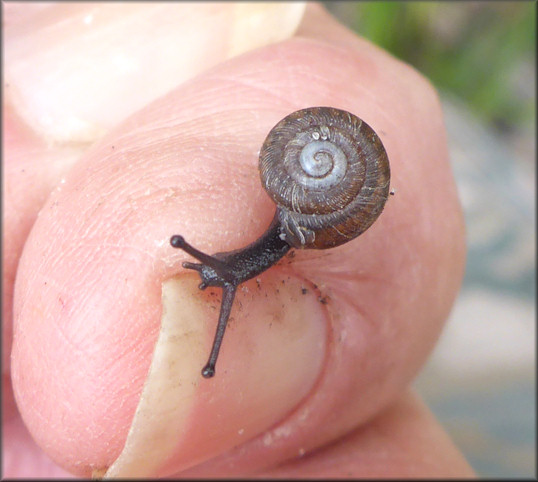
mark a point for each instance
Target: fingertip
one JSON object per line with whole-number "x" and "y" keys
{"x": 265, "y": 370}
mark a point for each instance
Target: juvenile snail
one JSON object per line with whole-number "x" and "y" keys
{"x": 328, "y": 173}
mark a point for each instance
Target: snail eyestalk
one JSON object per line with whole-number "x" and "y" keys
{"x": 178, "y": 241}
{"x": 228, "y": 295}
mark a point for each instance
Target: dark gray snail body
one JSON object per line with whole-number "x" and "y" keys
{"x": 328, "y": 173}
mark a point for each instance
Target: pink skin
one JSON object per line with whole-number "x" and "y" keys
{"x": 87, "y": 297}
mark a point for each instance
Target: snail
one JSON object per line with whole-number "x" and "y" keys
{"x": 328, "y": 173}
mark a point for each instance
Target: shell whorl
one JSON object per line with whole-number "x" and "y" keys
{"x": 328, "y": 173}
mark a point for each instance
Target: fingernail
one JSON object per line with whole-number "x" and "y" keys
{"x": 272, "y": 354}
{"x": 274, "y": 21}
{"x": 74, "y": 71}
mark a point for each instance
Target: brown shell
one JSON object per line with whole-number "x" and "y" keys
{"x": 328, "y": 173}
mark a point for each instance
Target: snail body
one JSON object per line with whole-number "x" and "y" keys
{"x": 328, "y": 174}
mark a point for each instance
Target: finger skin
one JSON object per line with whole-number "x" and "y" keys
{"x": 404, "y": 441}
{"x": 26, "y": 185}
{"x": 87, "y": 301}
{"x": 22, "y": 458}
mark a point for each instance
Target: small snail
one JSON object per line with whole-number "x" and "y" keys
{"x": 328, "y": 173}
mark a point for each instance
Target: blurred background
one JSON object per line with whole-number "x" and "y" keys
{"x": 481, "y": 56}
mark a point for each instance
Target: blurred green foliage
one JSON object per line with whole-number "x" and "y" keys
{"x": 483, "y": 52}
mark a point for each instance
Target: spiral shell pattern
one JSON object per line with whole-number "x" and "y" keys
{"x": 328, "y": 173}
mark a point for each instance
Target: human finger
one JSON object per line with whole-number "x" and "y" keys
{"x": 223, "y": 117}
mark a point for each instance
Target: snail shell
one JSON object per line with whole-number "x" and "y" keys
{"x": 328, "y": 173}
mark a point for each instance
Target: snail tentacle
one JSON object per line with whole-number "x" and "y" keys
{"x": 228, "y": 295}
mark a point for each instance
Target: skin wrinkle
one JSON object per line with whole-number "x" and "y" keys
{"x": 352, "y": 301}
{"x": 115, "y": 360}
{"x": 386, "y": 453}
{"x": 82, "y": 282}
{"x": 210, "y": 76}
{"x": 252, "y": 88}
{"x": 346, "y": 275}
{"x": 191, "y": 119}
{"x": 324, "y": 267}
{"x": 296, "y": 48}
{"x": 306, "y": 47}
{"x": 128, "y": 213}
{"x": 75, "y": 346}
{"x": 98, "y": 245}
